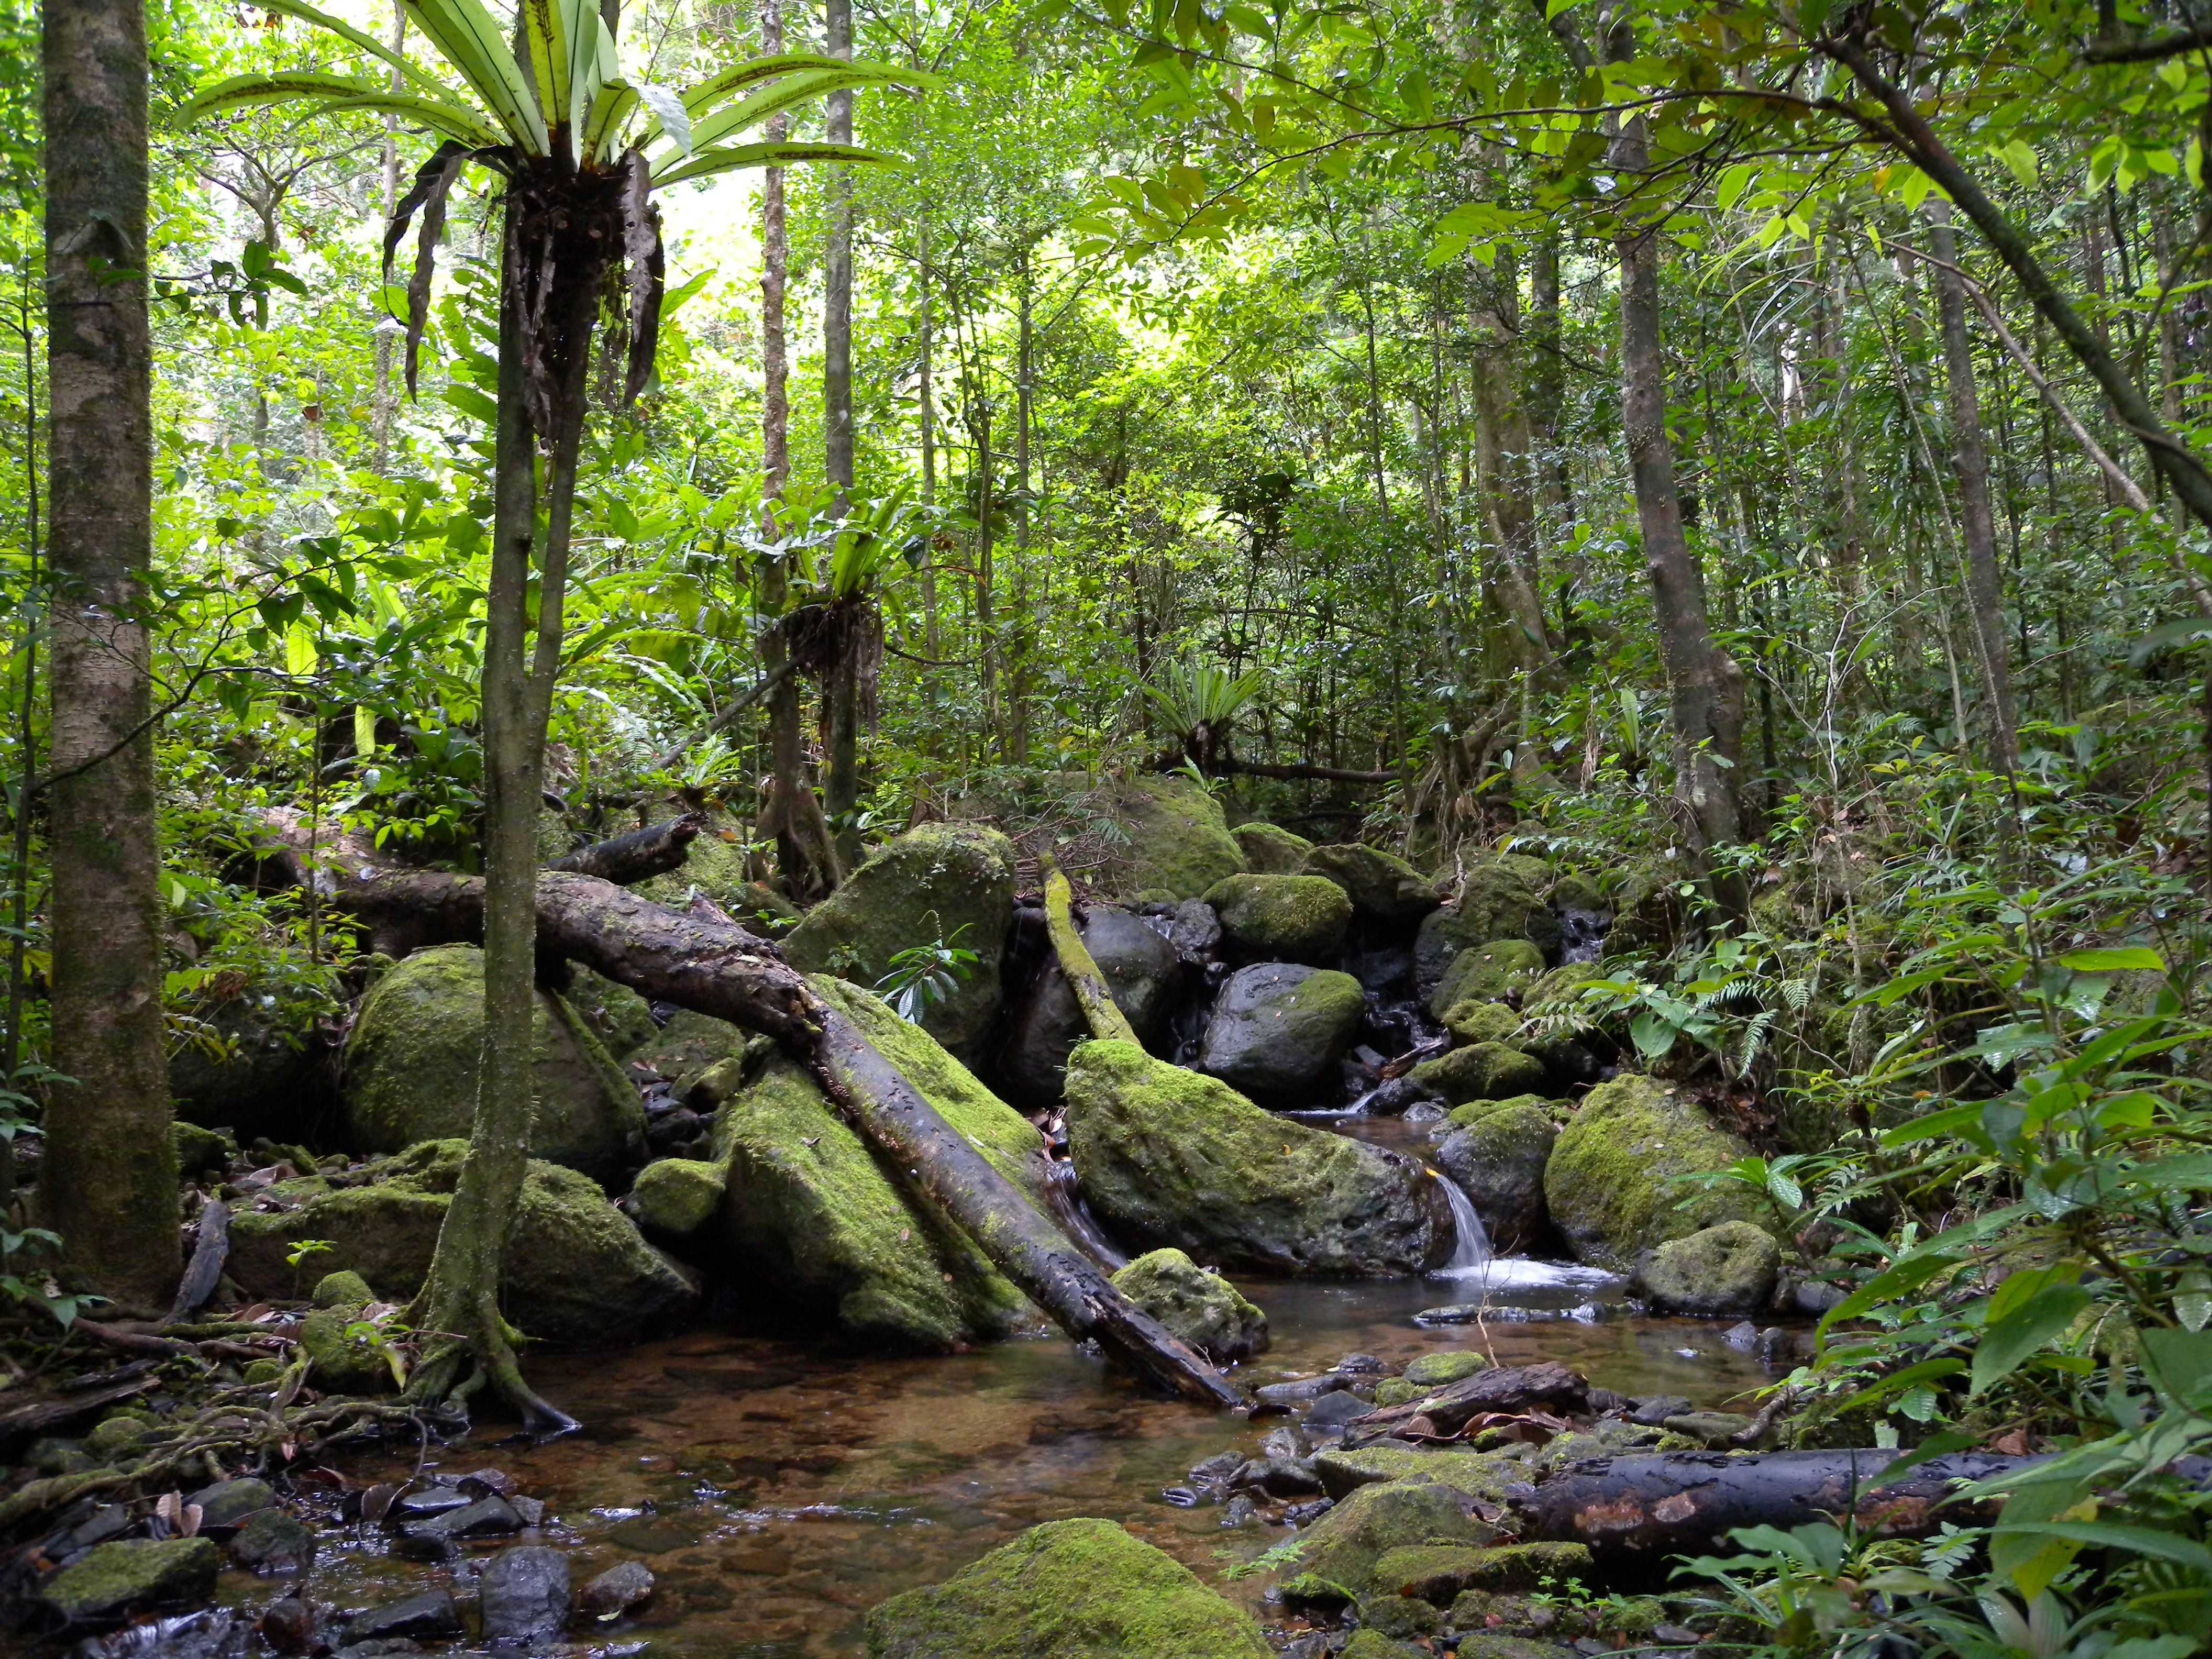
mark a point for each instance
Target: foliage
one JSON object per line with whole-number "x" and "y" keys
{"x": 923, "y": 974}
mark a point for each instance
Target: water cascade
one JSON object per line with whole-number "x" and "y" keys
{"x": 1064, "y": 1197}
{"x": 1471, "y": 1253}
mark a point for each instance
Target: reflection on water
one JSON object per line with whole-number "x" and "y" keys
{"x": 777, "y": 1495}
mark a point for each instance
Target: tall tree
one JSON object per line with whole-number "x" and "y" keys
{"x": 842, "y": 686}
{"x": 109, "y": 1179}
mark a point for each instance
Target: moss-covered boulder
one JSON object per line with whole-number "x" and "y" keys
{"x": 1728, "y": 1270}
{"x": 1475, "y": 1019}
{"x": 1439, "y": 1574}
{"x": 1282, "y": 918}
{"x": 1203, "y": 1309}
{"x": 1498, "y": 1161}
{"x": 1270, "y": 850}
{"x": 1488, "y": 973}
{"x": 1482, "y": 1071}
{"x": 1179, "y": 842}
{"x": 578, "y": 1271}
{"x": 1343, "y": 1471}
{"x": 1650, "y": 906}
{"x": 1344, "y": 1547}
{"x": 689, "y": 1046}
{"x": 114, "y": 1579}
{"x": 674, "y": 1199}
{"x": 1434, "y": 1370}
{"x": 1502, "y": 897}
{"x": 411, "y": 1062}
{"x": 343, "y": 1350}
{"x": 1609, "y": 1183}
{"x": 1069, "y": 1589}
{"x": 1383, "y": 887}
{"x": 617, "y": 1015}
{"x": 714, "y": 868}
{"x": 1277, "y": 1032}
{"x": 953, "y": 882}
{"x": 1144, "y": 974}
{"x": 810, "y": 1219}
{"x": 1169, "y": 1157}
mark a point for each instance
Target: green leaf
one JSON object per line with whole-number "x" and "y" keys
{"x": 362, "y": 41}
{"x": 732, "y": 157}
{"x": 2180, "y": 1363}
{"x": 2109, "y": 1535}
{"x": 2120, "y": 960}
{"x": 466, "y": 37}
{"x": 2006, "y": 1344}
{"x": 1732, "y": 184}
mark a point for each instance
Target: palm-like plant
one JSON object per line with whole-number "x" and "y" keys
{"x": 1202, "y": 701}
{"x": 580, "y": 147}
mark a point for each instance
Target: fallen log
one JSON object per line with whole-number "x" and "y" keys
{"x": 640, "y": 855}
{"x": 711, "y": 966}
{"x": 1100, "y": 1012}
{"x": 204, "y": 1270}
{"x": 1546, "y": 1387}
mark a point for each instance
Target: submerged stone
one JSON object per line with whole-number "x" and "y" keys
{"x": 1070, "y": 1589}
{"x": 1203, "y": 1309}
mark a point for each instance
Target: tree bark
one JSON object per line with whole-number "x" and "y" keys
{"x": 1100, "y": 1012}
{"x": 842, "y": 686}
{"x": 641, "y": 854}
{"x": 109, "y": 1179}
{"x": 1977, "y": 517}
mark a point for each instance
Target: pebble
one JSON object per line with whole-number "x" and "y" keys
{"x": 1240, "y": 1512}
{"x": 486, "y": 1483}
{"x": 431, "y": 1613}
{"x": 1652, "y": 1410}
{"x": 620, "y": 1587}
{"x": 1283, "y": 1443}
{"x": 1741, "y": 1335}
{"x": 288, "y": 1625}
{"x": 486, "y": 1518}
{"x": 524, "y": 1594}
{"x": 1181, "y": 1496}
{"x": 1304, "y": 1514}
{"x": 1357, "y": 1362}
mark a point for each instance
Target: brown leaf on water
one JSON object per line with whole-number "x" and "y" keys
{"x": 376, "y": 1503}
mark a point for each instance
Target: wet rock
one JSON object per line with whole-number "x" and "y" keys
{"x": 1609, "y": 1184}
{"x": 1071, "y": 1589}
{"x": 1343, "y": 1548}
{"x": 487, "y": 1517}
{"x": 1395, "y": 1094}
{"x": 411, "y": 1059}
{"x": 1179, "y": 842}
{"x": 532, "y": 1509}
{"x": 617, "y": 1015}
{"x": 1717, "y": 1430}
{"x": 1282, "y": 1442}
{"x": 1433, "y": 1370}
{"x": 344, "y": 1289}
{"x": 1332, "y": 1411}
{"x": 1653, "y": 1410}
{"x": 1303, "y": 1389}
{"x": 1239, "y": 1511}
{"x": 1486, "y": 972}
{"x": 1485, "y": 1071}
{"x": 673, "y": 1199}
{"x": 1304, "y": 1514}
{"x": 1194, "y": 930}
{"x": 1396, "y": 1391}
{"x": 131, "y": 1575}
{"x": 1816, "y": 1296}
{"x": 620, "y": 1588}
{"x": 1203, "y": 1309}
{"x": 1426, "y": 1111}
{"x": 1143, "y": 972}
{"x": 1271, "y": 851}
{"x": 523, "y": 1594}
{"x": 1726, "y": 1269}
{"x": 577, "y": 1269}
{"x": 1477, "y": 1019}
{"x": 288, "y": 1625}
{"x": 1439, "y": 1574}
{"x": 1277, "y": 1031}
{"x": 108, "y": 1521}
{"x": 1502, "y": 899}
{"x": 1743, "y": 1335}
{"x": 1358, "y": 1362}
{"x": 227, "y": 1503}
{"x": 1171, "y": 1157}
{"x": 273, "y": 1542}
{"x": 1383, "y": 887}
{"x": 1217, "y": 1470}
{"x": 1282, "y": 918}
{"x": 1278, "y": 1477}
{"x": 949, "y": 881}
{"x": 430, "y": 1614}
{"x": 433, "y": 1500}
{"x": 1497, "y": 1160}
{"x": 486, "y": 1483}
{"x": 1472, "y": 1474}
{"x": 383, "y": 1647}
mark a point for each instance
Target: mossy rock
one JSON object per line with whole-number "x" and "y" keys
{"x": 1725, "y": 1270}
{"x": 1144, "y": 974}
{"x": 1475, "y": 1474}
{"x": 1277, "y": 1031}
{"x": 201, "y": 1151}
{"x": 1270, "y": 850}
{"x": 1648, "y": 907}
{"x": 1202, "y": 1309}
{"x": 412, "y": 1064}
{"x": 1282, "y": 918}
{"x": 1484, "y": 1070}
{"x": 1498, "y": 1159}
{"x": 1475, "y": 1111}
{"x": 1383, "y": 887}
{"x": 343, "y": 1289}
{"x": 114, "y": 1579}
{"x": 1069, "y": 1589}
{"x": 1169, "y": 1157}
{"x": 1396, "y": 1391}
{"x": 1503, "y": 897}
{"x": 1440, "y": 1574}
{"x": 577, "y": 1270}
{"x": 674, "y": 1199}
{"x": 617, "y": 1015}
{"x": 339, "y": 1363}
{"x": 690, "y": 1044}
{"x": 1488, "y": 972}
{"x": 1345, "y": 1546}
{"x": 1609, "y": 1183}
{"x": 1374, "y": 1644}
{"x": 1478, "y": 1019}
{"x": 1179, "y": 842}
{"x": 810, "y": 1215}
{"x": 1434, "y": 1370}
{"x": 1576, "y": 891}
{"x": 953, "y": 882}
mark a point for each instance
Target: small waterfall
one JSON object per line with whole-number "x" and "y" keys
{"x": 1471, "y": 1254}
{"x": 1064, "y": 1196}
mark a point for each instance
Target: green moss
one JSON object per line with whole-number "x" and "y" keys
{"x": 1282, "y": 918}
{"x": 1396, "y": 1391}
{"x": 1608, "y": 1183}
{"x": 1382, "y": 887}
{"x": 1486, "y": 972}
{"x": 1445, "y": 1365}
{"x": 1374, "y": 1644}
{"x": 339, "y": 1363}
{"x": 1478, "y": 1019}
{"x": 411, "y": 1061}
{"x": 1271, "y": 851}
{"x": 1179, "y": 842}
{"x": 1170, "y": 1157}
{"x": 342, "y": 1289}
{"x": 1475, "y": 1111}
{"x": 619, "y": 1017}
{"x": 1485, "y": 1071}
{"x": 937, "y": 882}
{"x": 1483, "y": 1645}
{"x": 688, "y": 1044}
{"x": 1278, "y": 1029}
{"x": 714, "y": 865}
{"x": 675, "y": 1198}
{"x": 1070, "y": 1589}
{"x": 1502, "y": 898}
{"x": 1344, "y": 1472}
{"x": 115, "y": 1578}
{"x": 1575, "y": 891}
{"x": 200, "y": 1151}
{"x": 1346, "y": 1545}
{"x": 1726, "y": 1269}
{"x": 1504, "y": 1569}
{"x": 1202, "y": 1309}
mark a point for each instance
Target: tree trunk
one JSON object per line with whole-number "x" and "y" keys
{"x": 1978, "y": 519}
{"x": 109, "y": 1178}
{"x": 1548, "y": 373}
{"x": 841, "y": 687}
{"x": 1076, "y": 965}
{"x": 384, "y": 399}
{"x": 926, "y": 372}
{"x": 1503, "y": 445}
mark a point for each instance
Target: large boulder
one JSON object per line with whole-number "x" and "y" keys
{"x": 111, "y": 1580}
{"x": 1169, "y": 1157}
{"x": 1069, "y": 1589}
{"x": 1724, "y": 1270}
{"x": 1383, "y": 887}
{"x": 1487, "y": 973}
{"x": 1343, "y": 1548}
{"x": 1203, "y": 1309}
{"x": 1179, "y": 842}
{"x": 577, "y": 1270}
{"x": 1277, "y": 1031}
{"x": 1610, "y": 1183}
{"x": 412, "y": 1059}
{"x": 1495, "y": 1153}
{"x": 811, "y": 1218}
{"x": 257, "y": 1065}
{"x": 953, "y": 882}
{"x": 1282, "y": 918}
{"x": 1502, "y": 897}
{"x": 1482, "y": 1071}
{"x": 1269, "y": 850}
{"x": 1142, "y": 970}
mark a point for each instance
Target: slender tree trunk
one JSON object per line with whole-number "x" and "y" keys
{"x": 1548, "y": 373}
{"x": 927, "y": 388}
{"x": 1503, "y": 444}
{"x": 987, "y": 635}
{"x": 27, "y": 739}
{"x": 108, "y": 1182}
{"x": 1017, "y": 671}
{"x": 1977, "y": 521}
{"x": 841, "y": 687}
{"x": 384, "y": 399}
